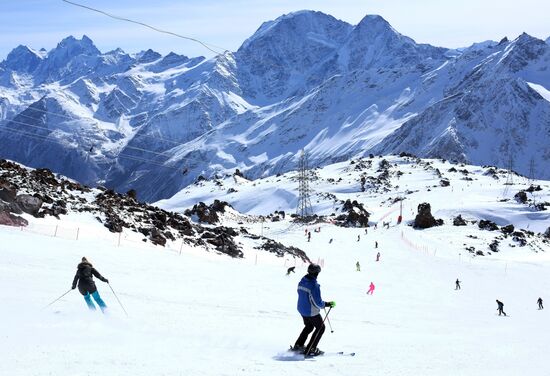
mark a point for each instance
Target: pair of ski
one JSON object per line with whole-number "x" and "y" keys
{"x": 334, "y": 353}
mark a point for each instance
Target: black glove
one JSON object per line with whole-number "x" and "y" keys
{"x": 105, "y": 280}
{"x": 73, "y": 287}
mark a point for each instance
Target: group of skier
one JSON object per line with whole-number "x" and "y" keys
{"x": 500, "y": 305}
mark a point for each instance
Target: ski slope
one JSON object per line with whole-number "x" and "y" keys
{"x": 203, "y": 314}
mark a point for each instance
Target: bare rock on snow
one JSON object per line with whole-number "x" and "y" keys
{"x": 8, "y": 219}
{"x": 424, "y": 218}
{"x": 29, "y": 204}
{"x": 459, "y": 221}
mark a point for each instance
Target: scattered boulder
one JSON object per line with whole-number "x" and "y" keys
{"x": 487, "y": 225}
{"x": 508, "y": 229}
{"x": 547, "y": 233}
{"x": 157, "y": 237}
{"x": 8, "y": 219}
{"x": 132, "y": 193}
{"x": 424, "y": 218}
{"x": 207, "y": 214}
{"x": 444, "y": 182}
{"x": 8, "y": 191}
{"x": 459, "y": 221}
{"x": 494, "y": 246}
{"x": 533, "y": 188}
{"x": 355, "y": 215}
{"x": 521, "y": 197}
{"x": 29, "y": 204}
{"x": 281, "y": 250}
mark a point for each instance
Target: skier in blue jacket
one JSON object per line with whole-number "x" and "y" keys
{"x": 310, "y": 304}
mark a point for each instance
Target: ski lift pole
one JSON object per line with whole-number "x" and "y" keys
{"x": 119, "y": 302}
{"x": 58, "y": 299}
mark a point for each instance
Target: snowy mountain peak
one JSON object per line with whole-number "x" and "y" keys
{"x": 22, "y": 59}
{"x": 71, "y": 47}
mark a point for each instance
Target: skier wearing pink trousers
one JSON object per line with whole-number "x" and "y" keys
{"x": 371, "y": 289}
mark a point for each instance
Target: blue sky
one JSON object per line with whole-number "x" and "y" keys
{"x": 43, "y": 23}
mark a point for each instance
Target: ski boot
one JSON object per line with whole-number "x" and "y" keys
{"x": 297, "y": 349}
{"x": 313, "y": 352}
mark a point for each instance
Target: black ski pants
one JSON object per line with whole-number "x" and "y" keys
{"x": 501, "y": 312}
{"x": 313, "y": 322}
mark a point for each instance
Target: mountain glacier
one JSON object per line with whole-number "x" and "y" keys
{"x": 303, "y": 81}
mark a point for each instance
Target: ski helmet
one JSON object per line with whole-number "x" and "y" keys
{"x": 313, "y": 269}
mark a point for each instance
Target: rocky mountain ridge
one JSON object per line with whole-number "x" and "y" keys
{"x": 306, "y": 80}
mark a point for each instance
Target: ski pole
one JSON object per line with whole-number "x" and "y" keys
{"x": 119, "y": 302}
{"x": 317, "y": 335}
{"x": 328, "y": 320}
{"x": 57, "y": 299}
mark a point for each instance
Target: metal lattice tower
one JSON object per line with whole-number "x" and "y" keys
{"x": 304, "y": 202}
{"x": 510, "y": 177}
{"x": 531, "y": 176}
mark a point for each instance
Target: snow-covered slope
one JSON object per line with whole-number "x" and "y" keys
{"x": 303, "y": 81}
{"x": 198, "y": 313}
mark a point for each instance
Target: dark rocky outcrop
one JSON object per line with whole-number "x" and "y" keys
{"x": 281, "y": 250}
{"x": 424, "y": 218}
{"x": 207, "y": 214}
{"x": 29, "y": 204}
{"x": 8, "y": 219}
{"x": 459, "y": 221}
{"x": 487, "y": 225}
{"x": 355, "y": 215}
{"x": 508, "y": 229}
{"x": 521, "y": 197}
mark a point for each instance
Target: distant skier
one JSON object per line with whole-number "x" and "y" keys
{"x": 330, "y": 241}
{"x": 457, "y": 284}
{"x": 539, "y": 302}
{"x": 310, "y": 304}
{"x": 358, "y": 237}
{"x": 375, "y": 226}
{"x": 86, "y": 285}
{"x": 371, "y": 289}
{"x": 358, "y": 266}
{"x": 500, "y": 308}
{"x": 290, "y": 270}
{"x": 366, "y": 231}
{"x": 378, "y": 256}
{"x": 309, "y": 236}
{"x": 375, "y": 244}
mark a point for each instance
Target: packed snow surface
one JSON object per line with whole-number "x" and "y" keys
{"x": 198, "y": 313}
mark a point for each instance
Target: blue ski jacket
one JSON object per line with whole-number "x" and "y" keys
{"x": 309, "y": 297}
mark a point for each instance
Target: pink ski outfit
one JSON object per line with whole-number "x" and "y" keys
{"x": 371, "y": 288}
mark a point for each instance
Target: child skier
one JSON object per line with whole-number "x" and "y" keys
{"x": 86, "y": 285}
{"x": 310, "y": 304}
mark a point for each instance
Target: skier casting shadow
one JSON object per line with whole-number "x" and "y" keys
{"x": 86, "y": 285}
{"x": 500, "y": 308}
{"x": 310, "y": 304}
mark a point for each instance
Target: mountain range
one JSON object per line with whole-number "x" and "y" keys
{"x": 305, "y": 81}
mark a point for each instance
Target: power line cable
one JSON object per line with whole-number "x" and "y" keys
{"x": 208, "y": 46}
